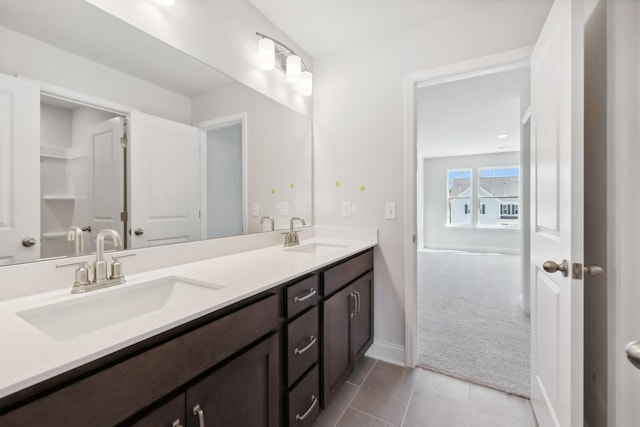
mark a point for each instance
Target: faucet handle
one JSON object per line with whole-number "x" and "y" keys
{"x": 82, "y": 275}
{"x": 116, "y": 266}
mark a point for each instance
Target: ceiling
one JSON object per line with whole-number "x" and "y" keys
{"x": 465, "y": 117}
{"x": 325, "y": 27}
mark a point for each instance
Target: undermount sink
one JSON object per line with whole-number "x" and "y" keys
{"x": 88, "y": 313}
{"x": 316, "y": 248}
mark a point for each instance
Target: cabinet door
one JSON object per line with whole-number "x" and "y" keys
{"x": 243, "y": 392}
{"x": 362, "y": 322}
{"x": 337, "y": 311}
{"x": 170, "y": 414}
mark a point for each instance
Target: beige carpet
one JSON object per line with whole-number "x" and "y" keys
{"x": 470, "y": 324}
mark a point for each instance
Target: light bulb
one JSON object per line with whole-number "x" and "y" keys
{"x": 294, "y": 68}
{"x": 306, "y": 84}
{"x": 266, "y": 54}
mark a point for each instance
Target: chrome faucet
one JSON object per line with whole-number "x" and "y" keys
{"x": 96, "y": 277}
{"x": 100, "y": 265}
{"x": 291, "y": 238}
{"x": 75, "y": 235}
{"x": 270, "y": 218}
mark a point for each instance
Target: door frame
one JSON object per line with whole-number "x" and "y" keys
{"x": 443, "y": 74}
{"x": 219, "y": 123}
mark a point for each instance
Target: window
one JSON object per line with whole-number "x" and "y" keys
{"x": 499, "y": 196}
{"x": 459, "y": 197}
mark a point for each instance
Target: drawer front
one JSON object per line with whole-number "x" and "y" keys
{"x": 301, "y": 295}
{"x": 304, "y": 401}
{"x": 116, "y": 393}
{"x": 341, "y": 274}
{"x": 302, "y": 344}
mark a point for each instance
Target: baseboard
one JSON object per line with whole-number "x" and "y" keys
{"x": 387, "y": 352}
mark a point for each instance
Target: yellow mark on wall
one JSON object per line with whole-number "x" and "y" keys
{"x": 337, "y": 183}
{"x": 362, "y": 188}
{"x": 273, "y": 191}
{"x": 291, "y": 186}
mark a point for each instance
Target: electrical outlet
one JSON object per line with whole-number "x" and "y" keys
{"x": 346, "y": 209}
{"x": 283, "y": 208}
{"x": 390, "y": 210}
{"x": 255, "y": 209}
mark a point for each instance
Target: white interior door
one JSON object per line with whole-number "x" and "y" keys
{"x": 106, "y": 170}
{"x": 557, "y": 66}
{"x": 19, "y": 170}
{"x": 165, "y": 181}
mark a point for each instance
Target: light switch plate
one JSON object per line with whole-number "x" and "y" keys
{"x": 255, "y": 209}
{"x": 346, "y": 209}
{"x": 390, "y": 210}
{"x": 283, "y": 208}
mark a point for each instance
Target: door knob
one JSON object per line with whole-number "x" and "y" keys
{"x": 633, "y": 353}
{"x": 138, "y": 231}
{"x": 27, "y": 242}
{"x": 594, "y": 270}
{"x": 552, "y": 267}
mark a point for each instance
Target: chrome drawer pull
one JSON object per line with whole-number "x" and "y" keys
{"x": 311, "y": 293}
{"x": 312, "y": 341}
{"x": 200, "y": 413}
{"x": 176, "y": 423}
{"x": 355, "y": 304}
{"x": 358, "y": 302}
{"x": 314, "y": 401}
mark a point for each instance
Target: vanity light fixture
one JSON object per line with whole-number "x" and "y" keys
{"x": 272, "y": 53}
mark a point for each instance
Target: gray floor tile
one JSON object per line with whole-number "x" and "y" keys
{"x": 443, "y": 385}
{"x": 386, "y": 392}
{"x": 330, "y": 416}
{"x": 354, "y": 418}
{"x": 428, "y": 409}
{"x": 493, "y": 402}
{"x": 361, "y": 370}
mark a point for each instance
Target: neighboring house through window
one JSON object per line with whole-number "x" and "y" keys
{"x": 498, "y": 197}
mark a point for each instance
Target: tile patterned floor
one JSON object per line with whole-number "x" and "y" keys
{"x": 378, "y": 394}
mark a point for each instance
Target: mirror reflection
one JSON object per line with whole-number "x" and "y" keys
{"x": 135, "y": 136}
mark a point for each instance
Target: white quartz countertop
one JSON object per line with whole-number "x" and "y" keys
{"x": 29, "y": 356}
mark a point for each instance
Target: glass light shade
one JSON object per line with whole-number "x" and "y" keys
{"x": 266, "y": 54}
{"x": 306, "y": 84}
{"x": 294, "y": 68}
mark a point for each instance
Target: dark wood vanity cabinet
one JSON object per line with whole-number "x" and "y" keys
{"x": 270, "y": 360}
{"x": 347, "y": 321}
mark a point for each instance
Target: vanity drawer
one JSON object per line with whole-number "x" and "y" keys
{"x": 165, "y": 415}
{"x": 304, "y": 401}
{"x": 110, "y": 396}
{"x": 301, "y": 295}
{"x": 341, "y": 274}
{"x": 302, "y": 344}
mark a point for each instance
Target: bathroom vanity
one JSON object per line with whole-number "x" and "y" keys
{"x": 266, "y": 346}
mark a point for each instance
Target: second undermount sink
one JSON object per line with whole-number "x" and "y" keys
{"x": 88, "y": 313}
{"x": 316, "y": 248}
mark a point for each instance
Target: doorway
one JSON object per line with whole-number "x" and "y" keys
{"x": 472, "y": 301}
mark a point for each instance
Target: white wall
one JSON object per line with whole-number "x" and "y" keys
{"x": 220, "y": 33}
{"x": 359, "y": 128}
{"x": 278, "y": 146}
{"x": 32, "y": 58}
{"x": 436, "y": 233}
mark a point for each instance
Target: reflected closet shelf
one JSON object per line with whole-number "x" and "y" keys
{"x": 59, "y": 198}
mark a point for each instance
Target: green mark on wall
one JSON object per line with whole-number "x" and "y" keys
{"x": 362, "y": 188}
{"x": 291, "y": 186}
{"x": 273, "y": 191}
{"x": 337, "y": 183}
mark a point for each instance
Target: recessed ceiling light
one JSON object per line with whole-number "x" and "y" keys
{"x": 502, "y": 136}
{"x": 165, "y": 2}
